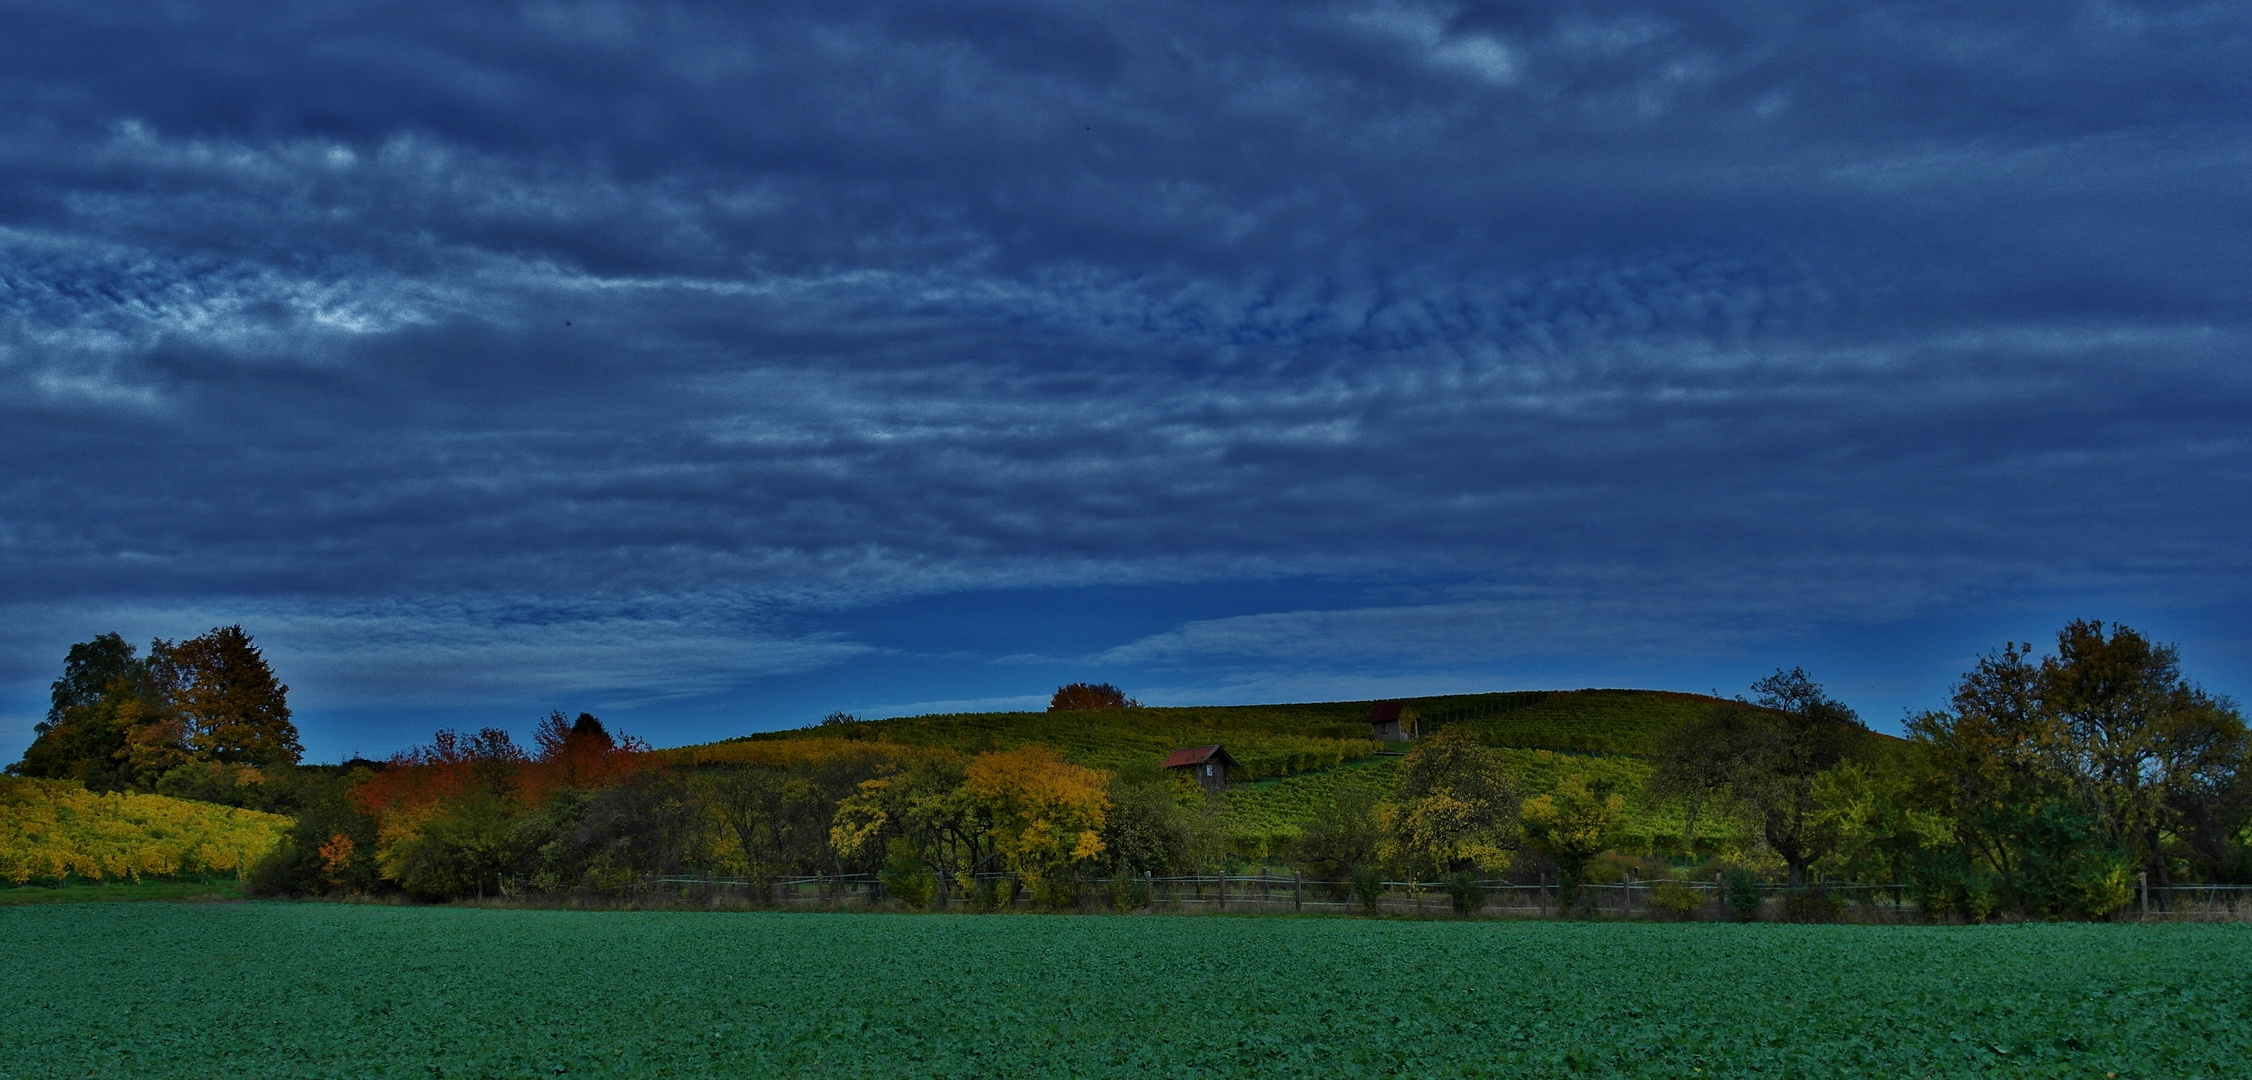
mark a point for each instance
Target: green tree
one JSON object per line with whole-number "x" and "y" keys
{"x": 2139, "y": 744}
{"x": 1769, "y": 754}
{"x": 2062, "y": 774}
{"x": 1343, "y": 835}
{"x": 1579, "y": 821}
{"x": 1147, "y": 829}
{"x": 109, "y": 725}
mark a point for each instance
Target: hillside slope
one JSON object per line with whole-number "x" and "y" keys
{"x": 1266, "y": 740}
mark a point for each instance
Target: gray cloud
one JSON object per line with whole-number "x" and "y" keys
{"x": 1743, "y": 311}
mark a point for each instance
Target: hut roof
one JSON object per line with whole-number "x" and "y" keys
{"x": 1386, "y": 711}
{"x": 1197, "y": 755}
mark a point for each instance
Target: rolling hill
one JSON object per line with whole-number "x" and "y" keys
{"x": 1293, "y": 756}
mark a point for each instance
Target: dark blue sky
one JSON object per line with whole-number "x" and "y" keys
{"x": 712, "y": 367}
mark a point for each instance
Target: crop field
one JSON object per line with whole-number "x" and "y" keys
{"x": 361, "y": 991}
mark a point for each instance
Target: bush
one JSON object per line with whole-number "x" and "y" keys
{"x": 1676, "y": 897}
{"x": 1463, "y": 888}
{"x": 215, "y": 782}
{"x": 906, "y": 877}
{"x": 1368, "y": 885}
{"x": 1948, "y": 882}
{"x": 1811, "y": 904}
{"x": 1739, "y": 889}
{"x": 1128, "y": 893}
{"x": 459, "y": 851}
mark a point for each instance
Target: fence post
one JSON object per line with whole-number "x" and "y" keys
{"x": 2144, "y": 879}
{"x": 1297, "y": 901}
{"x": 1149, "y": 892}
{"x": 1224, "y": 889}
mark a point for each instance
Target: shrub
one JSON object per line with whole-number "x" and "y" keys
{"x": 1811, "y": 904}
{"x": 1368, "y": 885}
{"x": 1739, "y": 889}
{"x": 1676, "y": 897}
{"x": 1947, "y": 881}
{"x": 1128, "y": 892}
{"x": 460, "y": 850}
{"x": 906, "y": 877}
{"x": 1463, "y": 888}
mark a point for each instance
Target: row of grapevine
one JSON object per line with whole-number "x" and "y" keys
{"x": 53, "y": 830}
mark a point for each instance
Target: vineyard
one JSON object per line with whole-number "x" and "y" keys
{"x": 54, "y": 830}
{"x": 1265, "y": 815}
{"x": 1267, "y": 741}
{"x": 320, "y": 990}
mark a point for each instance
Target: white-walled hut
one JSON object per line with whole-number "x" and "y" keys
{"x": 1209, "y": 764}
{"x": 1392, "y": 721}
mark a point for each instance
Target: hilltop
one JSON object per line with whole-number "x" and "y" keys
{"x": 1268, "y": 741}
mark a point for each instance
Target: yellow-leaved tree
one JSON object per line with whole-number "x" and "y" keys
{"x": 1044, "y": 815}
{"x": 1455, "y": 807}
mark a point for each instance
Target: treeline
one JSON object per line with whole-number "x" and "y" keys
{"x": 181, "y": 720}
{"x": 2043, "y": 789}
{"x": 470, "y": 815}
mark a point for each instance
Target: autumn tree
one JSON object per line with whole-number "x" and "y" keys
{"x": 1045, "y": 814}
{"x": 2060, "y": 774}
{"x": 123, "y": 721}
{"x": 1455, "y": 806}
{"x": 1571, "y": 826}
{"x": 230, "y": 706}
{"x": 1081, "y": 695}
{"x": 778, "y": 819}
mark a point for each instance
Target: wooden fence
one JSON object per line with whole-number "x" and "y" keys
{"x": 1288, "y": 894}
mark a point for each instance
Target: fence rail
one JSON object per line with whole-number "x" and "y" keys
{"x": 1275, "y": 893}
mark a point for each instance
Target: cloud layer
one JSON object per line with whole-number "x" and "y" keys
{"x": 1623, "y": 327}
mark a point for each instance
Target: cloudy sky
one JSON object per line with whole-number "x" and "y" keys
{"x": 716, "y": 366}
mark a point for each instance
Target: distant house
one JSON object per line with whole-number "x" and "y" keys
{"x": 1209, "y": 764}
{"x": 1392, "y": 721}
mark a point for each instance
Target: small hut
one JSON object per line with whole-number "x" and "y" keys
{"x": 1209, "y": 764}
{"x": 1392, "y": 721}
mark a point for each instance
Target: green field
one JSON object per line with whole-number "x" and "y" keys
{"x": 100, "y": 892}
{"x": 359, "y": 991}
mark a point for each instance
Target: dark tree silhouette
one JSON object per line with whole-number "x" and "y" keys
{"x": 1081, "y": 695}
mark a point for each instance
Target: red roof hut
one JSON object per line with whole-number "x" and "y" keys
{"x": 1210, "y": 765}
{"x": 1392, "y": 721}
